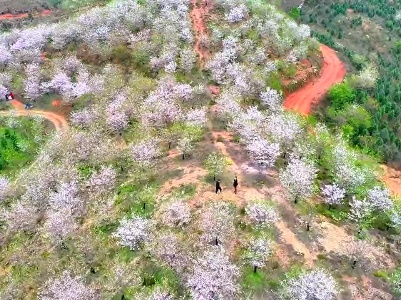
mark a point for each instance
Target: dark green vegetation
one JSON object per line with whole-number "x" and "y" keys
{"x": 367, "y": 31}
{"x": 18, "y": 144}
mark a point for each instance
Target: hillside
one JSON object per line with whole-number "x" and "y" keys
{"x": 141, "y": 109}
{"x": 367, "y": 35}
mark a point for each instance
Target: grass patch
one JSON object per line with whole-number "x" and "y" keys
{"x": 334, "y": 213}
{"x": 186, "y": 190}
{"x": 254, "y": 282}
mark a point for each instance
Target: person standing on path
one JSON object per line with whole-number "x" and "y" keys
{"x": 235, "y": 184}
{"x": 218, "y": 187}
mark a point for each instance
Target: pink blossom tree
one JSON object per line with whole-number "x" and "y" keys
{"x": 217, "y": 223}
{"x": 333, "y": 194}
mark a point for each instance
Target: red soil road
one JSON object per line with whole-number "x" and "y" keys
{"x": 333, "y": 72}
{"x": 198, "y": 15}
{"x": 59, "y": 122}
{"x": 23, "y": 16}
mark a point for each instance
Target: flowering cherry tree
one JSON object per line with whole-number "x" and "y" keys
{"x": 316, "y": 284}
{"x": 263, "y": 152}
{"x": 272, "y": 99}
{"x": 298, "y": 178}
{"x": 261, "y": 214}
{"x": 258, "y": 252}
{"x": 104, "y": 180}
{"x": 217, "y": 223}
{"x": 145, "y": 153}
{"x": 185, "y": 146}
{"x": 32, "y": 83}
{"x": 60, "y": 224}
{"x": 176, "y": 213}
{"x": 237, "y": 14}
{"x": 167, "y": 248}
{"x": 4, "y": 187}
{"x": 333, "y": 194}
{"x": 132, "y": 233}
{"x": 66, "y": 287}
{"x": 380, "y": 198}
{"x": 21, "y": 216}
{"x": 215, "y": 164}
{"x": 213, "y": 276}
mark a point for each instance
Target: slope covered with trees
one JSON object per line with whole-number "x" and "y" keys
{"x": 367, "y": 34}
{"x": 121, "y": 205}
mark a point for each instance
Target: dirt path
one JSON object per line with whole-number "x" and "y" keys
{"x": 43, "y": 13}
{"x": 198, "y": 16}
{"x": 333, "y": 71}
{"x": 59, "y": 122}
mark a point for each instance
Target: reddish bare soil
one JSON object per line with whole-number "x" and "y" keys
{"x": 44, "y": 13}
{"x": 198, "y": 16}
{"x": 59, "y": 122}
{"x": 333, "y": 71}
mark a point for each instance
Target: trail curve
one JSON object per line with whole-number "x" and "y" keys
{"x": 43, "y": 13}
{"x": 333, "y": 72}
{"x": 59, "y": 122}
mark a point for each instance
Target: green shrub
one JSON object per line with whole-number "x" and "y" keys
{"x": 340, "y": 95}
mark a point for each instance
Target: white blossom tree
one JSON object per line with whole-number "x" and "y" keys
{"x": 298, "y": 178}
{"x": 258, "y": 252}
{"x": 213, "y": 276}
{"x": 132, "y": 233}
{"x": 185, "y": 146}
{"x": 215, "y": 164}
{"x": 167, "y": 247}
{"x": 5, "y": 187}
{"x": 272, "y": 99}
{"x": 313, "y": 285}
{"x": 66, "y": 287}
{"x": 380, "y": 198}
{"x": 263, "y": 152}
{"x": 176, "y": 214}
{"x": 261, "y": 214}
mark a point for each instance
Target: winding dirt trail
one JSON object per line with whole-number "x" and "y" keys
{"x": 333, "y": 72}
{"x": 198, "y": 16}
{"x": 59, "y": 122}
{"x": 43, "y": 13}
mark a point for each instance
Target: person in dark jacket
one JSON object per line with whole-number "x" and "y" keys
{"x": 218, "y": 187}
{"x": 235, "y": 184}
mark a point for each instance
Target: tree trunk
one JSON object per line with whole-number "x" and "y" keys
{"x": 216, "y": 242}
{"x": 214, "y": 177}
{"x": 330, "y": 206}
{"x": 169, "y": 145}
{"x": 144, "y": 205}
{"x": 255, "y": 269}
{"x": 183, "y": 156}
{"x": 123, "y": 297}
